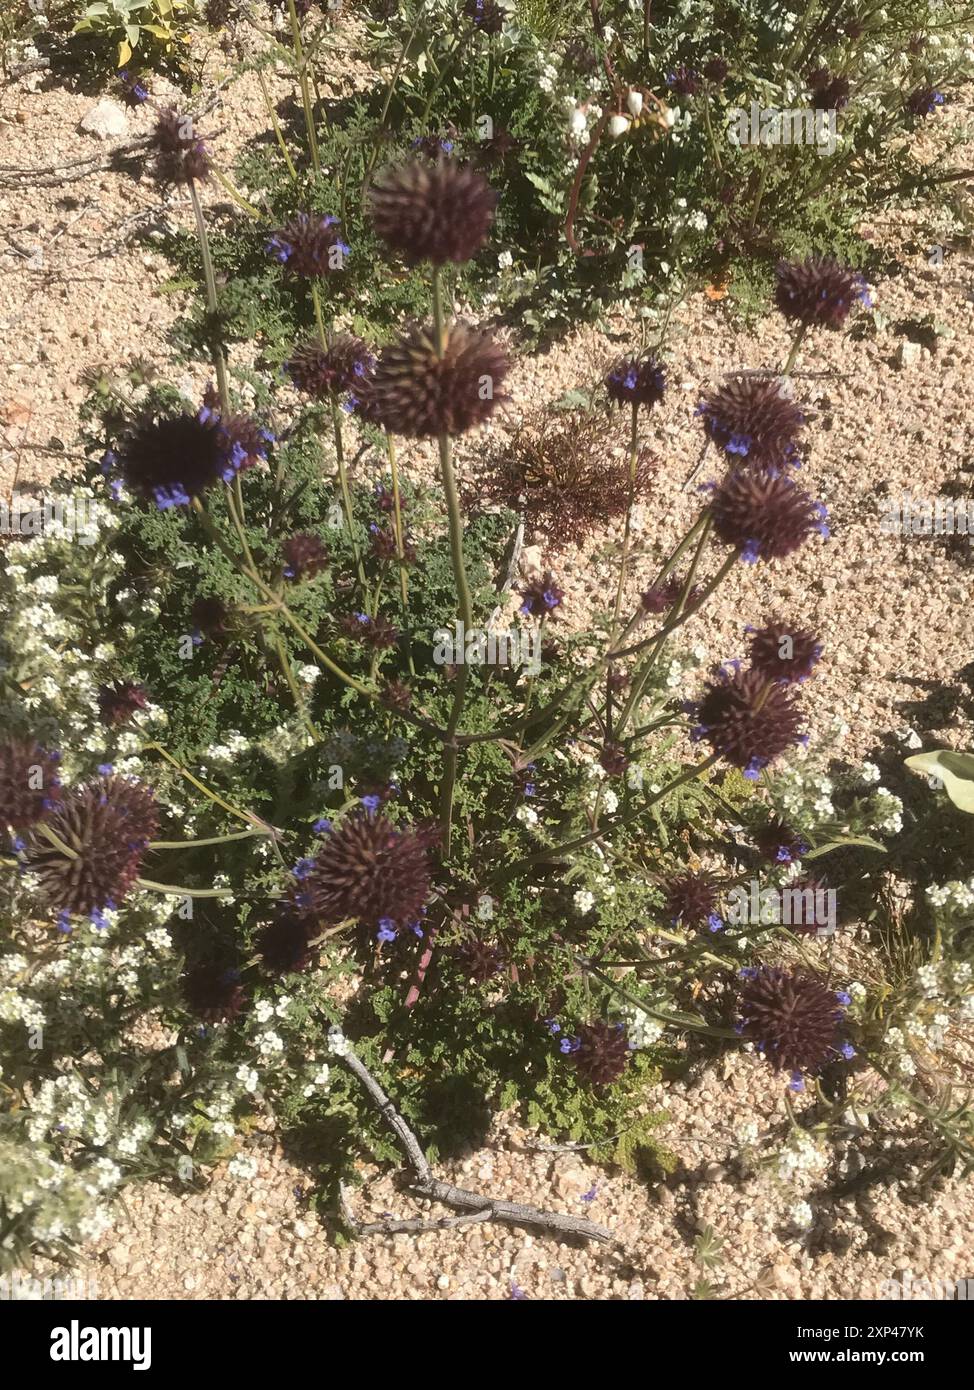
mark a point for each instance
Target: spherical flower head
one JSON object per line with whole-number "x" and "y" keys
{"x": 601, "y": 1052}
{"x": 809, "y": 906}
{"x": 613, "y": 758}
{"x": 30, "y": 787}
{"x": 180, "y": 152}
{"x": 754, "y": 421}
{"x": 283, "y": 945}
{"x": 245, "y": 442}
{"x": 541, "y": 596}
{"x": 498, "y": 149}
{"x": 829, "y": 91}
{"x": 134, "y": 88}
{"x": 480, "y": 959}
{"x": 716, "y": 69}
{"x": 305, "y": 555}
{"x": 107, "y": 824}
{"x": 220, "y": 12}
{"x": 662, "y": 597}
{"x": 213, "y": 992}
{"x": 779, "y": 843}
{"x": 748, "y": 720}
{"x": 792, "y": 1017}
{"x": 487, "y": 15}
{"x": 764, "y": 514}
{"x": 784, "y": 651}
{"x": 684, "y": 81}
{"x": 120, "y": 700}
{"x": 210, "y": 615}
{"x": 170, "y": 461}
{"x": 398, "y": 696}
{"x": 436, "y": 212}
{"x": 418, "y": 393}
{"x": 325, "y": 372}
{"x": 924, "y": 101}
{"x": 638, "y": 381}
{"x": 818, "y": 292}
{"x": 376, "y": 633}
{"x": 310, "y": 245}
{"x": 367, "y": 869}
{"x": 383, "y": 544}
{"x": 691, "y": 899}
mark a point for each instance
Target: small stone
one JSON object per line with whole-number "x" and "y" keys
{"x": 572, "y": 1182}
{"x": 908, "y": 354}
{"x": 105, "y": 121}
{"x": 530, "y": 561}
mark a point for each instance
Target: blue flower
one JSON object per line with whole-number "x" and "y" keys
{"x": 371, "y": 803}
{"x": 387, "y": 930}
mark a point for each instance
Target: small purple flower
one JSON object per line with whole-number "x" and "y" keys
{"x": 844, "y": 999}
{"x": 387, "y": 930}
{"x": 322, "y": 825}
{"x": 797, "y": 1082}
{"x": 847, "y": 1051}
{"x": 371, "y": 803}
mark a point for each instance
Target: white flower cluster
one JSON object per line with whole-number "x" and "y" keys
{"x": 954, "y": 895}
{"x": 800, "y": 1157}
{"x": 641, "y": 1029}
{"x": 53, "y": 1200}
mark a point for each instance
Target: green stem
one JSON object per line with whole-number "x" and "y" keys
{"x": 400, "y": 551}
{"x": 336, "y": 425}
{"x": 246, "y": 816}
{"x": 199, "y": 844}
{"x": 276, "y": 125}
{"x": 212, "y": 301}
{"x": 624, "y": 561}
{"x": 556, "y": 851}
{"x": 235, "y": 193}
{"x": 790, "y": 362}
{"x": 464, "y": 601}
{"x": 309, "y": 115}
{"x": 300, "y": 703}
{"x": 759, "y": 195}
{"x": 383, "y": 116}
{"x": 180, "y": 892}
{"x": 642, "y": 676}
{"x": 690, "y": 1021}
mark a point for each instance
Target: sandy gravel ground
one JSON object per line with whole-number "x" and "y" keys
{"x": 75, "y": 291}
